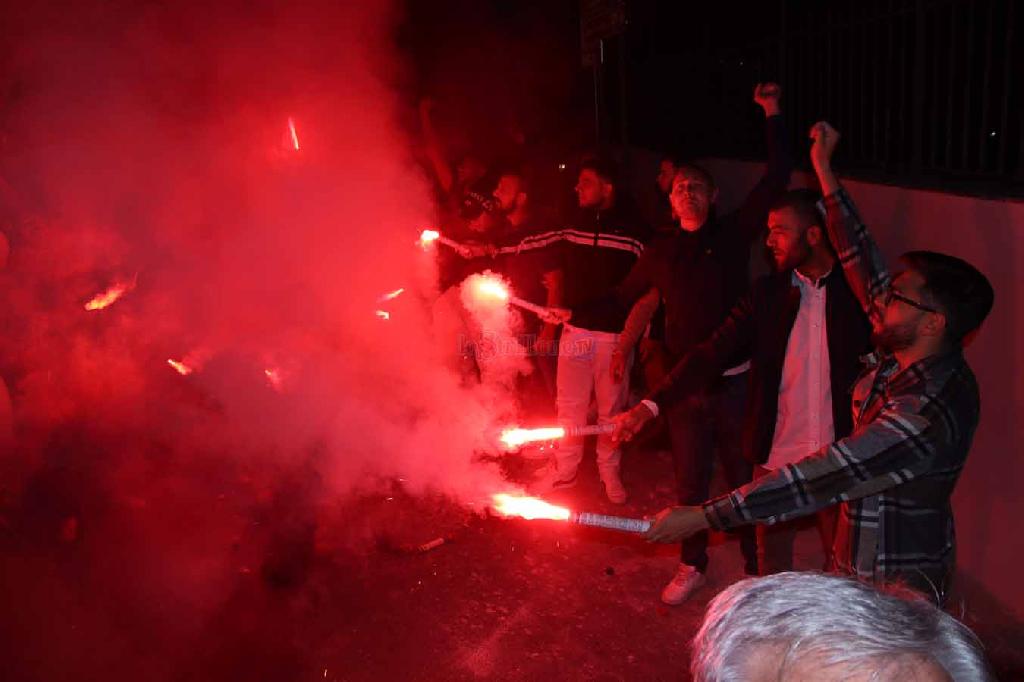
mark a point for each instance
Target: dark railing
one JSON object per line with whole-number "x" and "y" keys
{"x": 926, "y": 92}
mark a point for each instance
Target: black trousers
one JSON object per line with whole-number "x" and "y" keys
{"x": 700, "y": 427}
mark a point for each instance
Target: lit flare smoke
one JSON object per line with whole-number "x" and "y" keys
{"x": 534, "y": 508}
{"x": 111, "y": 295}
{"x": 429, "y": 237}
{"x": 490, "y": 287}
{"x": 391, "y": 295}
{"x": 529, "y": 508}
{"x": 516, "y": 437}
{"x": 180, "y": 367}
{"x": 292, "y": 134}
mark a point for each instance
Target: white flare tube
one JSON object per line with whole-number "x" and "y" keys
{"x": 589, "y": 430}
{"x": 619, "y": 523}
{"x": 526, "y": 305}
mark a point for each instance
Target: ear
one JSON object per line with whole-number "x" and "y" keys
{"x": 520, "y": 198}
{"x": 814, "y": 235}
{"x": 934, "y": 324}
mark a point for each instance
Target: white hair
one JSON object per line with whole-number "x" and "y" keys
{"x": 839, "y": 621}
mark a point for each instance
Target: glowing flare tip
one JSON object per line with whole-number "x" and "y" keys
{"x": 390, "y": 296}
{"x": 110, "y": 296}
{"x": 515, "y": 437}
{"x": 294, "y": 135}
{"x": 179, "y": 367}
{"x": 428, "y": 237}
{"x": 491, "y": 287}
{"x": 274, "y": 377}
{"x": 529, "y": 508}
{"x": 383, "y": 315}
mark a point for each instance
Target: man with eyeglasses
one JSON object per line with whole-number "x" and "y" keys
{"x": 915, "y": 410}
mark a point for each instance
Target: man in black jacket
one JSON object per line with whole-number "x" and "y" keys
{"x": 700, "y": 272}
{"x": 806, "y": 332}
{"x": 597, "y": 253}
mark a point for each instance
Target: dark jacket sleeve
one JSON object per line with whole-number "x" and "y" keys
{"x": 750, "y": 218}
{"x": 708, "y": 359}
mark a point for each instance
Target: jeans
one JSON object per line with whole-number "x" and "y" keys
{"x": 700, "y": 426}
{"x": 584, "y": 358}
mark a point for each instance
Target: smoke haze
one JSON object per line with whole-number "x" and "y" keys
{"x": 150, "y": 144}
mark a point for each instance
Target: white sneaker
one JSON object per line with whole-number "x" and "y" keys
{"x": 687, "y": 581}
{"x": 613, "y": 487}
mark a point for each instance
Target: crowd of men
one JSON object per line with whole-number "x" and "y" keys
{"x": 827, "y": 387}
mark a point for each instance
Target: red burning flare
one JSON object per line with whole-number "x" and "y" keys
{"x": 529, "y": 508}
{"x": 275, "y": 377}
{"x": 489, "y": 288}
{"x": 180, "y": 367}
{"x": 391, "y": 295}
{"x": 110, "y": 296}
{"x": 428, "y": 237}
{"x": 293, "y": 134}
{"x": 513, "y": 438}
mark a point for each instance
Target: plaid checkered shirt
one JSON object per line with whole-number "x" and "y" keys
{"x": 894, "y": 475}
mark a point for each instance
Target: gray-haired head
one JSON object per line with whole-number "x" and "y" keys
{"x": 812, "y": 626}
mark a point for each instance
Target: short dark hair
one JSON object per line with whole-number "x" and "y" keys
{"x": 959, "y": 290}
{"x": 696, "y": 169}
{"x": 518, "y": 171}
{"x": 603, "y": 166}
{"x": 804, "y": 203}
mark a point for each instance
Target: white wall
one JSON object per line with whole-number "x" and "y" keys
{"x": 989, "y": 500}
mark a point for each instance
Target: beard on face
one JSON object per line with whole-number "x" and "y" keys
{"x": 892, "y": 338}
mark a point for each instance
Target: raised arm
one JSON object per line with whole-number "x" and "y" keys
{"x": 859, "y": 255}
{"x": 753, "y": 213}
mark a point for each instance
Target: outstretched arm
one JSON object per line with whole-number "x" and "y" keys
{"x": 898, "y": 446}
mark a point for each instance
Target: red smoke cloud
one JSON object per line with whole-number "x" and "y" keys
{"x": 156, "y": 142}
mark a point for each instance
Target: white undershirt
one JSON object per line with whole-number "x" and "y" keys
{"x": 803, "y": 422}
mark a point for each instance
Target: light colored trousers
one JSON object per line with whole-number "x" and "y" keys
{"x": 584, "y": 358}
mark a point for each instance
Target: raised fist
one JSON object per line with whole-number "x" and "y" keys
{"x": 767, "y": 95}
{"x": 825, "y": 140}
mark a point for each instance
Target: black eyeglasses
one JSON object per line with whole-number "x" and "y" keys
{"x": 892, "y": 295}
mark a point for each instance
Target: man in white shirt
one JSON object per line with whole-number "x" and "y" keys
{"x": 805, "y": 331}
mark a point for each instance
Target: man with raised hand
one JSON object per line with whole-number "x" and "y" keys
{"x": 915, "y": 411}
